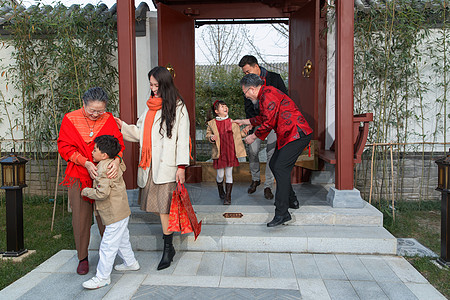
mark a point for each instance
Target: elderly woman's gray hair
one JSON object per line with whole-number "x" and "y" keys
{"x": 251, "y": 80}
{"x": 95, "y": 94}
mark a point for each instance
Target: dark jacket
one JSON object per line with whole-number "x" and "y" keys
{"x": 270, "y": 79}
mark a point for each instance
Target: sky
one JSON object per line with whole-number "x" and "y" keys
{"x": 273, "y": 47}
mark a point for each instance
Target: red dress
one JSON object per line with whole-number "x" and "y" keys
{"x": 227, "y": 156}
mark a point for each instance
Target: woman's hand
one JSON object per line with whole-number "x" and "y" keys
{"x": 118, "y": 122}
{"x": 113, "y": 168}
{"x": 213, "y": 138}
{"x": 180, "y": 176}
{"x": 92, "y": 169}
{"x": 250, "y": 138}
{"x": 242, "y": 122}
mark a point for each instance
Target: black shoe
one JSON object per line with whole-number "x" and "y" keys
{"x": 168, "y": 252}
{"x": 278, "y": 220}
{"x": 268, "y": 193}
{"x": 294, "y": 204}
{"x": 252, "y": 187}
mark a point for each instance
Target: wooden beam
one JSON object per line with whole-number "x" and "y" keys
{"x": 127, "y": 82}
{"x": 344, "y": 95}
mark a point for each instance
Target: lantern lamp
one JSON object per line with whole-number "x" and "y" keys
{"x": 13, "y": 181}
{"x": 444, "y": 188}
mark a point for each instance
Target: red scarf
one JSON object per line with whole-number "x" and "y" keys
{"x": 70, "y": 141}
{"x": 154, "y": 104}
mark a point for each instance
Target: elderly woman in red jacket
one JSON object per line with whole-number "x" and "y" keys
{"x": 278, "y": 112}
{"x": 78, "y": 130}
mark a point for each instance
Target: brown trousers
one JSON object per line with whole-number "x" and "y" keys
{"x": 82, "y": 220}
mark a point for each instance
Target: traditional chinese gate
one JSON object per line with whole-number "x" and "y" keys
{"x": 307, "y": 44}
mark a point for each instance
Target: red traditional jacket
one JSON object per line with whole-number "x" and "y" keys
{"x": 70, "y": 141}
{"x": 280, "y": 113}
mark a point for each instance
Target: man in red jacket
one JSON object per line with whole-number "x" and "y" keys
{"x": 280, "y": 113}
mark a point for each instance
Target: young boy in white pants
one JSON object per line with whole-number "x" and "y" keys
{"x": 111, "y": 203}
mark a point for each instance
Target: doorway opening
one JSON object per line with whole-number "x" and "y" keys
{"x": 219, "y": 46}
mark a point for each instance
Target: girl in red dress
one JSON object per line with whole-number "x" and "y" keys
{"x": 227, "y": 147}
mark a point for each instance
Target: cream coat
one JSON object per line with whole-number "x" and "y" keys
{"x": 167, "y": 153}
{"x": 237, "y": 136}
{"x": 110, "y": 195}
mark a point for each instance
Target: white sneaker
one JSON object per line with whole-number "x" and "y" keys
{"x": 123, "y": 267}
{"x": 95, "y": 283}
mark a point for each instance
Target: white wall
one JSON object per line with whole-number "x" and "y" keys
{"x": 146, "y": 59}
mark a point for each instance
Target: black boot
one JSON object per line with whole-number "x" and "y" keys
{"x": 221, "y": 191}
{"x": 168, "y": 252}
{"x": 229, "y": 187}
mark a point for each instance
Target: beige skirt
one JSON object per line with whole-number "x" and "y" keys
{"x": 156, "y": 198}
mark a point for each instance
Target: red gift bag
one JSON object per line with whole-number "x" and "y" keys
{"x": 182, "y": 216}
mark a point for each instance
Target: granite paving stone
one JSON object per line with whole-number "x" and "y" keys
{"x": 126, "y": 287}
{"x": 258, "y": 265}
{"x": 397, "y": 290}
{"x": 234, "y": 264}
{"x": 369, "y": 290}
{"x": 329, "y": 267}
{"x": 379, "y": 269}
{"x": 353, "y": 268}
{"x": 305, "y": 266}
{"x": 281, "y": 265}
{"x": 188, "y": 263}
{"x": 211, "y": 264}
{"x": 425, "y": 291}
{"x": 404, "y": 270}
{"x": 313, "y": 289}
{"x": 340, "y": 290}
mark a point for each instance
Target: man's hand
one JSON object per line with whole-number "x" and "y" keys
{"x": 113, "y": 168}
{"x": 91, "y": 168}
{"x": 242, "y": 122}
{"x": 250, "y": 138}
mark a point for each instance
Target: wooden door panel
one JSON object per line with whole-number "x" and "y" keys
{"x": 303, "y": 46}
{"x": 176, "y": 47}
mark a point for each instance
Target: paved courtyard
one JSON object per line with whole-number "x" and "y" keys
{"x": 232, "y": 275}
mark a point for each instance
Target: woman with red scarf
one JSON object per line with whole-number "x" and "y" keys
{"x": 163, "y": 134}
{"x": 78, "y": 130}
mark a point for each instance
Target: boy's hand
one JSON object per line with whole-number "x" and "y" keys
{"x": 84, "y": 192}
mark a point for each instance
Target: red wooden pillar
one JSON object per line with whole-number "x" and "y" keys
{"x": 127, "y": 81}
{"x": 344, "y": 94}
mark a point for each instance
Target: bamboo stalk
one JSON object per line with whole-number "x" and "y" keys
{"x": 56, "y": 192}
{"x": 392, "y": 184}
{"x": 371, "y": 175}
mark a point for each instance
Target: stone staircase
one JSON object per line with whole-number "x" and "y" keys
{"x": 314, "y": 228}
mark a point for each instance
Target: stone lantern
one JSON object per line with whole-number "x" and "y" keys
{"x": 444, "y": 188}
{"x": 13, "y": 181}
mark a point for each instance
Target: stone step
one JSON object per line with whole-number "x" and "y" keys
{"x": 260, "y": 238}
{"x": 250, "y": 214}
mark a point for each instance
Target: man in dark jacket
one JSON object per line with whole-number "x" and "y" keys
{"x": 249, "y": 65}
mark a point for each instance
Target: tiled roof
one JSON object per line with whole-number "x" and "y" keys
{"x": 7, "y": 12}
